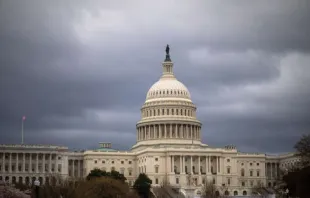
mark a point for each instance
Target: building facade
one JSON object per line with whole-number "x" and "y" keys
{"x": 168, "y": 149}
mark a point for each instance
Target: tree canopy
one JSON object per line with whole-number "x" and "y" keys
{"x": 95, "y": 173}
{"x": 298, "y": 178}
{"x": 143, "y": 185}
{"x": 303, "y": 150}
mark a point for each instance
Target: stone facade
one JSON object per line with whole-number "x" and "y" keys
{"x": 168, "y": 149}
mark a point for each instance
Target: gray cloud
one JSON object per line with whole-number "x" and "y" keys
{"x": 80, "y": 71}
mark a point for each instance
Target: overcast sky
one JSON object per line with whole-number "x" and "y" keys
{"x": 80, "y": 71}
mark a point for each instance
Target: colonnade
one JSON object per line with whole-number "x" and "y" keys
{"x": 162, "y": 131}
{"x": 29, "y": 162}
{"x": 75, "y": 168}
{"x": 272, "y": 170}
{"x": 195, "y": 164}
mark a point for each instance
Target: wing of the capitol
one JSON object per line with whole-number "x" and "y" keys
{"x": 168, "y": 149}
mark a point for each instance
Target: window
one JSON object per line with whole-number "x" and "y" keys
{"x": 257, "y": 164}
{"x": 129, "y": 172}
{"x": 228, "y": 181}
{"x": 156, "y": 169}
{"x": 251, "y": 183}
{"x": 122, "y": 162}
{"x": 112, "y": 162}
{"x": 228, "y": 170}
{"x": 156, "y": 159}
{"x": 251, "y": 164}
{"x": 177, "y": 180}
{"x": 242, "y": 164}
{"x": 242, "y": 172}
{"x": 103, "y": 161}
{"x": 243, "y": 183}
{"x": 213, "y": 180}
{"x": 95, "y": 161}
{"x": 112, "y": 169}
{"x": 228, "y": 160}
{"x": 156, "y": 181}
{"x": 129, "y": 162}
{"x": 251, "y": 173}
{"x": 257, "y": 173}
{"x": 163, "y": 111}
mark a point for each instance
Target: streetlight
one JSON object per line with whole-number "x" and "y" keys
{"x": 37, "y": 185}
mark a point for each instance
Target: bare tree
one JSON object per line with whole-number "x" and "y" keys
{"x": 209, "y": 190}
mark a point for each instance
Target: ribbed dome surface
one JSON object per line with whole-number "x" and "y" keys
{"x": 168, "y": 87}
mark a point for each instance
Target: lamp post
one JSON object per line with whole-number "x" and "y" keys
{"x": 37, "y": 186}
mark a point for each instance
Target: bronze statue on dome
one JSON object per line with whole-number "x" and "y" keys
{"x": 167, "y": 49}
{"x": 167, "y": 54}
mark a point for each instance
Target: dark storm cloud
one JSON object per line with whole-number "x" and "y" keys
{"x": 80, "y": 71}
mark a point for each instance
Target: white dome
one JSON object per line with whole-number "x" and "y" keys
{"x": 168, "y": 88}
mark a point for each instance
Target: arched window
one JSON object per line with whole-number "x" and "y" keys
{"x": 226, "y": 192}
{"x": 244, "y": 192}
{"x": 235, "y": 193}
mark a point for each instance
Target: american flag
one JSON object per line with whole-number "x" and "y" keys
{"x": 24, "y": 118}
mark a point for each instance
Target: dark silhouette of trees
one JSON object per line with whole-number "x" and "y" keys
{"x": 143, "y": 185}
{"x": 303, "y": 150}
{"x": 95, "y": 173}
{"x": 298, "y": 178}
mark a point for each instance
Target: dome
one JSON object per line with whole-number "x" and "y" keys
{"x": 168, "y": 88}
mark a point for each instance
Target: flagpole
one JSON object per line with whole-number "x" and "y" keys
{"x": 23, "y": 130}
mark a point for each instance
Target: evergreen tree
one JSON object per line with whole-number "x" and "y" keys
{"x": 143, "y": 185}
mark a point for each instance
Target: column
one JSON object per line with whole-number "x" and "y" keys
{"x": 16, "y": 166}
{"x": 165, "y": 130}
{"x": 191, "y": 166}
{"x": 266, "y": 171}
{"x": 172, "y": 157}
{"x": 191, "y": 131}
{"x": 79, "y": 168}
{"x": 10, "y": 163}
{"x": 209, "y": 164}
{"x": 43, "y": 163}
{"x": 144, "y": 129}
{"x": 24, "y": 162}
{"x": 73, "y": 168}
{"x": 206, "y": 164}
{"x": 3, "y": 163}
{"x": 50, "y": 164}
{"x": 276, "y": 172}
{"x": 183, "y": 163}
{"x": 30, "y": 162}
{"x": 218, "y": 164}
{"x": 199, "y": 165}
{"x": 181, "y": 131}
{"x": 37, "y": 163}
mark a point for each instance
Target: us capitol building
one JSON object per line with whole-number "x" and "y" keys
{"x": 168, "y": 149}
